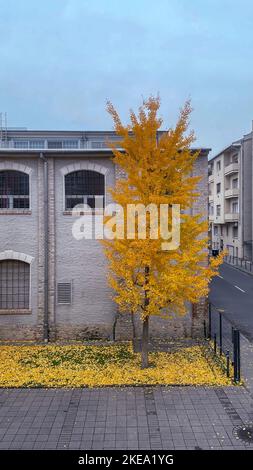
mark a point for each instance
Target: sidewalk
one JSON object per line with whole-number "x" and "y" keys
{"x": 130, "y": 418}
{"x": 244, "y": 266}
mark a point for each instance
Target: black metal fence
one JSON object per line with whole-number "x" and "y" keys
{"x": 239, "y": 262}
{"x": 225, "y": 339}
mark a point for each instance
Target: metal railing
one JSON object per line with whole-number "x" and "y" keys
{"x": 239, "y": 262}
{"x": 225, "y": 339}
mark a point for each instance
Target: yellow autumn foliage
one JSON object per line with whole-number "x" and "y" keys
{"x": 146, "y": 279}
{"x": 98, "y": 366}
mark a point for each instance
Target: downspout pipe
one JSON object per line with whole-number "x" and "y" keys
{"x": 45, "y": 200}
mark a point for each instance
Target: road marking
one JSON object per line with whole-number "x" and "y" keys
{"x": 221, "y": 277}
{"x": 240, "y": 289}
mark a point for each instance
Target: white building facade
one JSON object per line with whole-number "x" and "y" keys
{"x": 230, "y": 183}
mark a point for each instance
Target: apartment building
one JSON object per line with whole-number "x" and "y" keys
{"x": 230, "y": 199}
{"x": 52, "y": 285}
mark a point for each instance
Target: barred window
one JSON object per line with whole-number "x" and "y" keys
{"x": 36, "y": 144}
{"x": 14, "y": 285}
{"x": 70, "y": 144}
{"x": 54, "y": 144}
{"x": 65, "y": 144}
{"x": 21, "y": 144}
{"x": 14, "y": 190}
{"x": 84, "y": 187}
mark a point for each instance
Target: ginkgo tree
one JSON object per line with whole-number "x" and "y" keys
{"x": 157, "y": 171}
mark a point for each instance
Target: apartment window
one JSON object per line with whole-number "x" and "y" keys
{"x": 84, "y": 187}
{"x": 235, "y": 183}
{"x": 215, "y": 230}
{"x": 218, "y": 165}
{"x": 218, "y": 187}
{"x": 235, "y": 207}
{"x": 218, "y": 210}
{"x": 210, "y": 209}
{"x": 227, "y": 229}
{"x": 211, "y": 189}
{"x": 221, "y": 230}
{"x": 235, "y": 231}
{"x": 235, "y": 158}
{"x": 14, "y": 285}
{"x": 14, "y": 190}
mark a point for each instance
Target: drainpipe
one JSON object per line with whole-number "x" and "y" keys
{"x": 45, "y": 191}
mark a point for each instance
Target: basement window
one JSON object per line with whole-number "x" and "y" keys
{"x": 14, "y": 285}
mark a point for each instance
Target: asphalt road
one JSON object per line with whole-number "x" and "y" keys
{"x": 232, "y": 291}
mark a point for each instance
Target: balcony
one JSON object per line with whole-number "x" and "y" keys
{"x": 210, "y": 197}
{"x": 211, "y": 217}
{"x": 233, "y": 192}
{"x": 232, "y": 217}
{"x": 210, "y": 178}
{"x": 231, "y": 168}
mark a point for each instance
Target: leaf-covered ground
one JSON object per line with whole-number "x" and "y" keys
{"x": 97, "y": 366}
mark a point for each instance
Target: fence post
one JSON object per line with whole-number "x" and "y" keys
{"x": 220, "y": 333}
{"x": 235, "y": 355}
{"x": 237, "y": 360}
{"x": 209, "y": 320}
{"x": 220, "y": 318}
{"x": 238, "y": 357}
{"x": 228, "y": 371}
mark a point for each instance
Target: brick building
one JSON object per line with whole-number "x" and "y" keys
{"x": 53, "y": 286}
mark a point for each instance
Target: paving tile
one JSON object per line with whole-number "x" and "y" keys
{"x": 134, "y": 418}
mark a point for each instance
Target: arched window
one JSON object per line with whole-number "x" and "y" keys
{"x": 14, "y": 190}
{"x": 84, "y": 187}
{"x": 14, "y": 285}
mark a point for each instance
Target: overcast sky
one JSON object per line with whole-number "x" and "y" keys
{"x": 62, "y": 59}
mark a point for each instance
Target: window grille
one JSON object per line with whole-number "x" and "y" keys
{"x": 65, "y": 144}
{"x": 54, "y": 144}
{"x": 21, "y": 144}
{"x": 64, "y": 293}
{"x": 14, "y": 190}
{"x": 84, "y": 187}
{"x": 36, "y": 144}
{"x": 99, "y": 145}
{"x": 70, "y": 144}
{"x": 14, "y": 285}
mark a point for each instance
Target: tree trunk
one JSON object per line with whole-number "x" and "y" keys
{"x": 145, "y": 325}
{"x": 144, "y": 343}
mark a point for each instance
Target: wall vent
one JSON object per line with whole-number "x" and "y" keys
{"x": 64, "y": 293}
